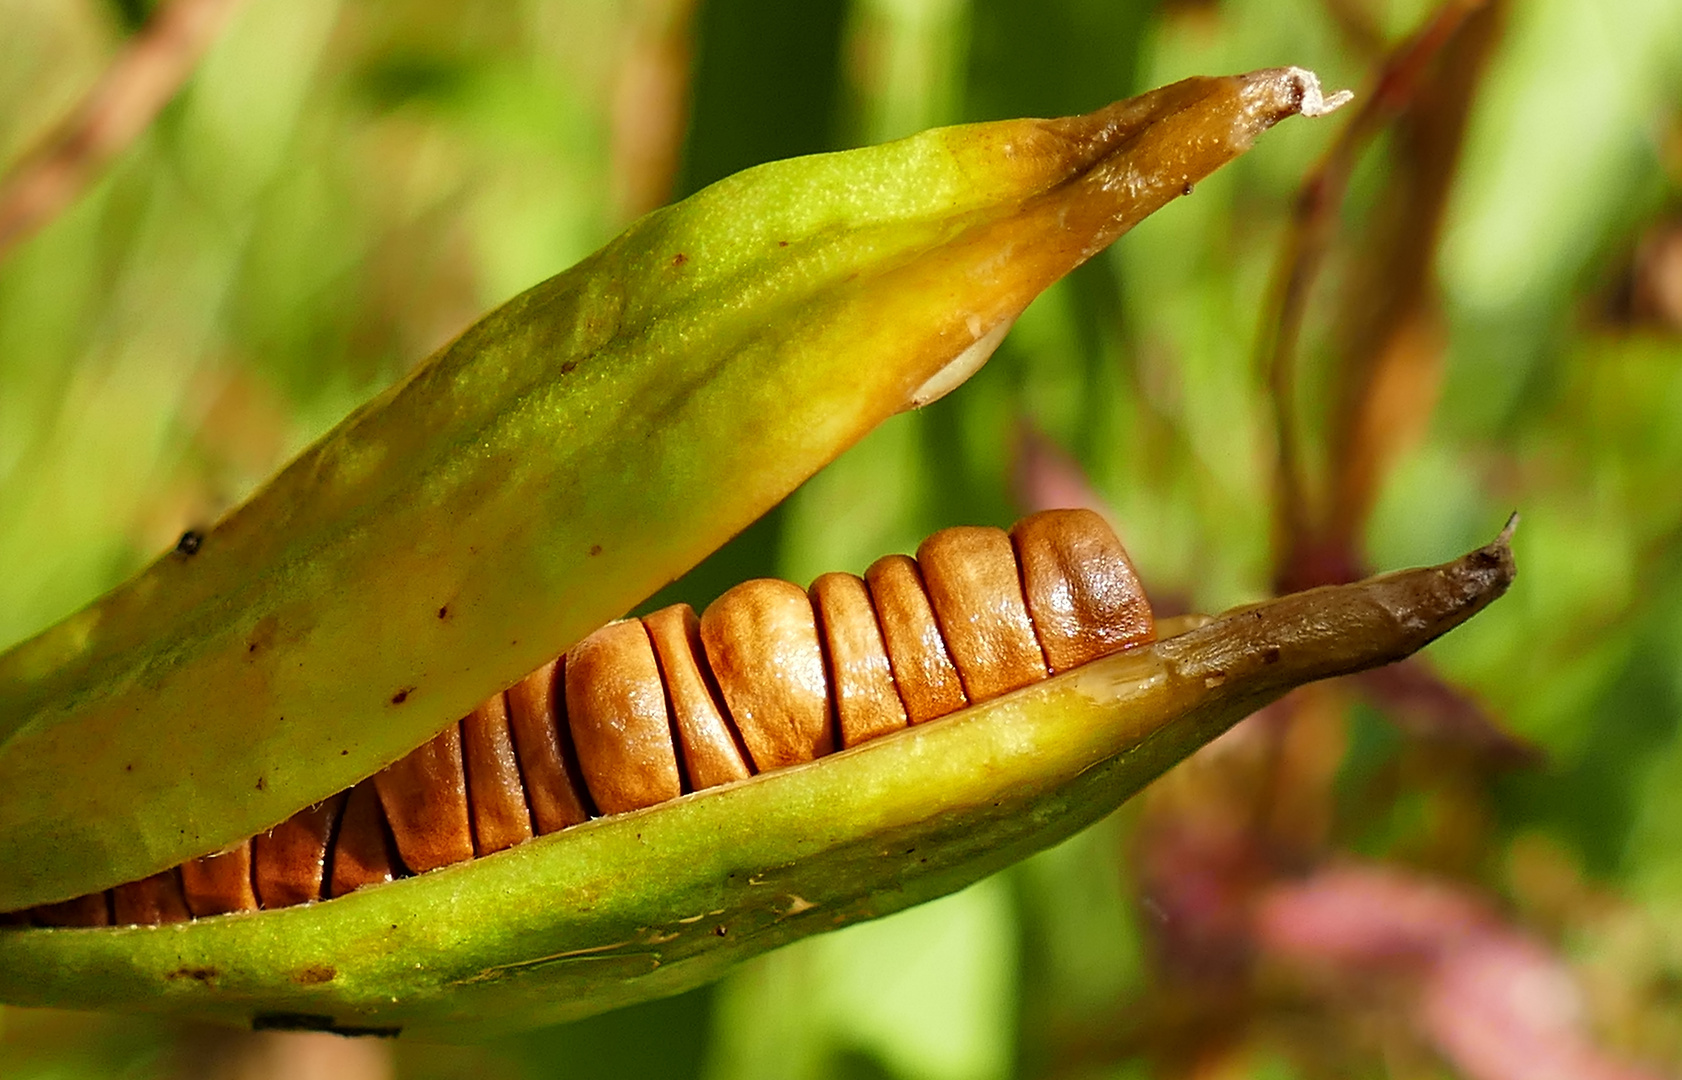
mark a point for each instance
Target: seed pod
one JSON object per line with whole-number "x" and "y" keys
{"x": 478, "y": 518}
{"x": 746, "y": 866}
{"x": 657, "y": 707}
{"x": 486, "y": 513}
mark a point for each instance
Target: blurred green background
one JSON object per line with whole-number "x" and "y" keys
{"x": 343, "y": 185}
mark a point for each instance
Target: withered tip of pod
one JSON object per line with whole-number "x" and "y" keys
{"x": 1276, "y": 93}
{"x": 1508, "y": 529}
{"x": 1342, "y": 629}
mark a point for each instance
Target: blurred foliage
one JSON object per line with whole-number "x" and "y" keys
{"x": 342, "y": 186}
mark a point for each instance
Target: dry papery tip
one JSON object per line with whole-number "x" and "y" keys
{"x": 1507, "y": 530}
{"x": 1281, "y": 91}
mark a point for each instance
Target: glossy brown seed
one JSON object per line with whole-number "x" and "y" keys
{"x": 220, "y": 883}
{"x": 93, "y": 909}
{"x": 495, "y": 794}
{"x": 425, "y": 801}
{"x": 976, "y": 592}
{"x": 543, "y": 743}
{"x": 363, "y": 852}
{"x": 712, "y": 752}
{"x": 289, "y": 862}
{"x": 861, "y": 680}
{"x": 1085, "y": 599}
{"x": 616, "y": 708}
{"x": 928, "y": 682}
{"x": 761, "y": 640}
{"x": 151, "y": 901}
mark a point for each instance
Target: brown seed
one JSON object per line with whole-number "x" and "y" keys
{"x": 363, "y": 852}
{"x": 94, "y": 909}
{"x": 1081, "y": 590}
{"x": 290, "y": 860}
{"x": 497, "y": 798}
{"x": 761, "y": 639}
{"x": 151, "y": 901}
{"x": 974, "y": 586}
{"x": 425, "y": 800}
{"x": 923, "y": 670}
{"x": 220, "y": 883}
{"x": 713, "y": 753}
{"x": 543, "y": 743}
{"x": 866, "y": 703}
{"x": 616, "y": 708}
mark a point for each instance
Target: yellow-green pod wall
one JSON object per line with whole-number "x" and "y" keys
{"x": 566, "y": 456}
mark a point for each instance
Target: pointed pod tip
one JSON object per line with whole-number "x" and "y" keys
{"x": 1276, "y": 93}
{"x": 1496, "y": 557}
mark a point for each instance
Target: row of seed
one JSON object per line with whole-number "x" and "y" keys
{"x": 644, "y": 710}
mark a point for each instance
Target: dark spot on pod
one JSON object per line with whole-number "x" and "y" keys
{"x": 1271, "y": 656}
{"x": 568, "y": 367}
{"x": 679, "y": 259}
{"x": 595, "y": 549}
{"x": 1186, "y": 190}
{"x": 315, "y": 975}
{"x": 782, "y": 243}
{"x": 444, "y": 612}
{"x": 196, "y": 974}
{"x": 401, "y": 696}
{"x": 190, "y": 542}
{"x": 720, "y": 930}
{"x": 262, "y": 634}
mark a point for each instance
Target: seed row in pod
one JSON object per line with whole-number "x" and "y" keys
{"x": 645, "y": 710}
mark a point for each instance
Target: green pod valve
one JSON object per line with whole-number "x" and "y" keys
{"x": 563, "y": 458}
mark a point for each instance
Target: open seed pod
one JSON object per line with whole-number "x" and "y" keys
{"x": 558, "y": 462}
